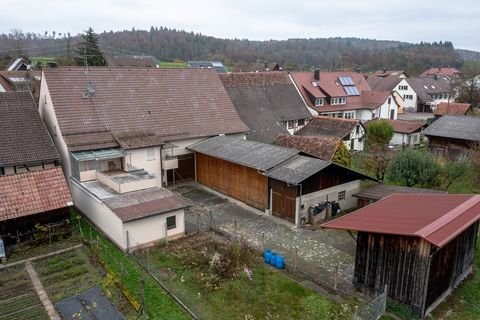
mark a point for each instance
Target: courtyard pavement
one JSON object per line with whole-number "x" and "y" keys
{"x": 319, "y": 252}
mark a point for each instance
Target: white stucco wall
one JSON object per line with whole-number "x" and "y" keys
{"x": 138, "y": 158}
{"x": 331, "y": 194}
{"x": 47, "y": 113}
{"x": 384, "y": 111}
{"x": 148, "y": 230}
{"x": 403, "y": 138}
{"x": 358, "y": 139}
{"x": 409, "y": 105}
{"x": 98, "y": 213}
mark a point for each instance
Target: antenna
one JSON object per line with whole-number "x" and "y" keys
{"x": 90, "y": 91}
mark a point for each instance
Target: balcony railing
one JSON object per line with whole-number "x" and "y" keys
{"x": 121, "y": 181}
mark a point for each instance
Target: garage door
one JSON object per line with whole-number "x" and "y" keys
{"x": 283, "y": 200}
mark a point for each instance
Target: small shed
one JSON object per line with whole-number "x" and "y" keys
{"x": 420, "y": 246}
{"x": 379, "y": 191}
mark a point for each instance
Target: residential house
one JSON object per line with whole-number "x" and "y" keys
{"x": 379, "y": 191}
{"x": 122, "y": 134}
{"x": 344, "y": 94}
{"x": 133, "y": 61}
{"x": 453, "y": 137}
{"x": 19, "y": 64}
{"x": 33, "y": 189}
{"x": 418, "y": 246}
{"x": 20, "y": 81}
{"x": 350, "y": 131}
{"x": 273, "y": 179}
{"x": 445, "y": 72}
{"x": 216, "y": 65}
{"x": 401, "y": 90}
{"x": 389, "y": 74}
{"x": 431, "y": 92}
{"x": 405, "y": 133}
{"x": 452, "y": 109}
{"x": 267, "y": 102}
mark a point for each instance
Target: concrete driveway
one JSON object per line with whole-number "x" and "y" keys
{"x": 319, "y": 252}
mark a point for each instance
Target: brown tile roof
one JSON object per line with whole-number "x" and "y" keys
{"x": 401, "y": 126}
{"x": 388, "y": 74}
{"x": 447, "y": 71}
{"x": 32, "y": 192}
{"x": 141, "y": 204}
{"x": 169, "y": 104}
{"x": 452, "y": 108}
{"x": 380, "y": 191}
{"x": 24, "y": 137}
{"x": 329, "y": 126}
{"x": 256, "y": 67}
{"x": 330, "y": 86}
{"x": 435, "y": 218}
{"x": 264, "y": 100}
{"x": 321, "y": 147}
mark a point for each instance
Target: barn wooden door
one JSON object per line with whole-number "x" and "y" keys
{"x": 283, "y": 200}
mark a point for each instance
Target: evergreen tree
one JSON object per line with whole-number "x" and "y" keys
{"x": 88, "y": 49}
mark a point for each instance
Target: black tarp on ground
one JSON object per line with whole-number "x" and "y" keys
{"x": 89, "y": 305}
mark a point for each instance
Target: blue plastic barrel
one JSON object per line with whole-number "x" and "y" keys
{"x": 266, "y": 255}
{"x": 273, "y": 258}
{"x": 279, "y": 262}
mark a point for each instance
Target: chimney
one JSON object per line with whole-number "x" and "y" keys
{"x": 316, "y": 74}
{"x": 265, "y": 66}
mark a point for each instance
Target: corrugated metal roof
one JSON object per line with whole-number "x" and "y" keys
{"x": 98, "y": 154}
{"x": 297, "y": 169}
{"x": 436, "y": 218}
{"x": 257, "y": 155}
{"x": 457, "y": 127}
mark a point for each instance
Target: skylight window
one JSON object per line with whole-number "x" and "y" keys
{"x": 17, "y": 79}
{"x": 346, "y": 81}
{"x": 351, "y": 90}
{"x": 314, "y": 83}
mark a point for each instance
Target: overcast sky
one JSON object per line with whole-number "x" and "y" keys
{"x": 406, "y": 20}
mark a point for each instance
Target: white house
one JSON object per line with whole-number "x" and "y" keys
{"x": 405, "y": 133}
{"x": 122, "y": 135}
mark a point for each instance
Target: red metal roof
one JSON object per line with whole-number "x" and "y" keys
{"x": 33, "y": 192}
{"x": 437, "y": 218}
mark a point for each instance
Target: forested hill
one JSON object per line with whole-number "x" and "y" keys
{"x": 170, "y": 44}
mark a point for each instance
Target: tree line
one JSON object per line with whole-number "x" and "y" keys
{"x": 171, "y": 44}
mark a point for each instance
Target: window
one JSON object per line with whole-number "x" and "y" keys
{"x": 2, "y": 171}
{"x": 408, "y": 97}
{"x": 301, "y": 122}
{"x": 349, "y": 115}
{"x": 150, "y": 154}
{"x": 171, "y": 222}
{"x": 357, "y": 129}
{"x": 402, "y": 87}
{"x": 346, "y": 81}
{"x": 351, "y": 90}
{"x": 389, "y": 100}
{"x": 341, "y": 195}
{"x": 318, "y": 102}
{"x": 290, "y": 124}
{"x": 341, "y": 100}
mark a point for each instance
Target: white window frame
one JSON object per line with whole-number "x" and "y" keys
{"x": 338, "y": 100}
{"x": 319, "y": 102}
{"x": 175, "y": 222}
{"x": 290, "y": 124}
{"x": 150, "y": 154}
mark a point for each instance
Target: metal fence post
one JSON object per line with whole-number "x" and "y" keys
{"x": 263, "y": 241}
{"x": 198, "y": 222}
{"x": 210, "y": 213}
{"x": 296, "y": 257}
{"x": 235, "y": 228}
{"x": 335, "y": 278}
{"x": 166, "y": 233}
{"x": 355, "y": 313}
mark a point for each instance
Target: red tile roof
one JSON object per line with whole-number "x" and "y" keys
{"x": 401, "y": 126}
{"x": 452, "y": 108}
{"x": 169, "y": 104}
{"x": 33, "y": 192}
{"x": 23, "y": 135}
{"x": 330, "y": 86}
{"x": 144, "y": 203}
{"x": 329, "y": 126}
{"x": 448, "y": 71}
{"x": 437, "y": 218}
{"x": 322, "y": 147}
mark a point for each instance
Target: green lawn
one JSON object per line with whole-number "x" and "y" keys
{"x": 166, "y": 64}
{"x": 43, "y": 60}
{"x": 269, "y": 294}
{"x": 159, "y": 305}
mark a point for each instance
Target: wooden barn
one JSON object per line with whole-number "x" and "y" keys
{"x": 271, "y": 178}
{"x": 419, "y": 245}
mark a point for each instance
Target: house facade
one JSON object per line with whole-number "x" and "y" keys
{"x": 122, "y": 146}
{"x": 405, "y": 133}
{"x": 344, "y": 94}
{"x": 431, "y": 91}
